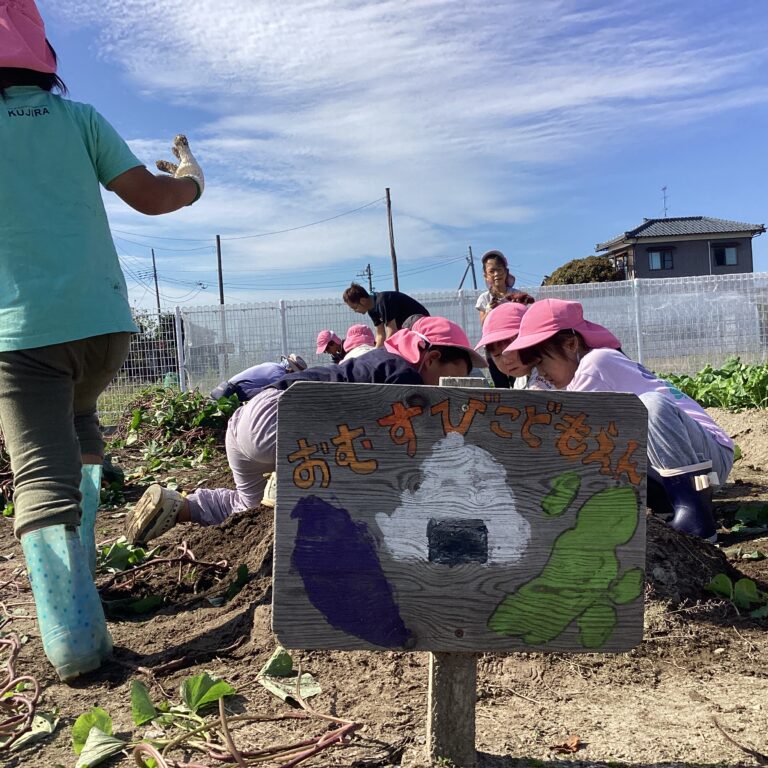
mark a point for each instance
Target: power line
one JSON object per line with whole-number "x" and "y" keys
{"x": 245, "y": 237}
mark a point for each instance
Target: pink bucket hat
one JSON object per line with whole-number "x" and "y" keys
{"x": 502, "y": 322}
{"x": 545, "y": 318}
{"x": 431, "y": 332}
{"x": 22, "y": 37}
{"x": 357, "y": 335}
{"x": 324, "y": 338}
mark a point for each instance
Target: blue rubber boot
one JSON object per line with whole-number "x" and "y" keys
{"x": 69, "y": 613}
{"x": 90, "y": 488}
{"x": 688, "y": 492}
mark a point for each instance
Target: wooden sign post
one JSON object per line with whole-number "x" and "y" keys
{"x": 458, "y": 521}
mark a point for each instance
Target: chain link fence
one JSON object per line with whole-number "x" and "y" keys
{"x": 672, "y": 325}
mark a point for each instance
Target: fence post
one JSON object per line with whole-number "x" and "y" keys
{"x": 283, "y": 328}
{"x": 180, "y": 350}
{"x": 223, "y": 342}
{"x": 638, "y": 326}
{"x": 463, "y": 309}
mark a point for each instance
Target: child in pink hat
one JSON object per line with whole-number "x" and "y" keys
{"x": 65, "y": 321}
{"x": 500, "y": 329}
{"x": 434, "y": 348}
{"x": 328, "y": 343}
{"x": 358, "y": 341}
{"x": 687, "y": 451}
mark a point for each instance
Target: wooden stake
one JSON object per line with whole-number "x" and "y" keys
{"x": 451, "y": 708}
{"x": 452, "y": 690}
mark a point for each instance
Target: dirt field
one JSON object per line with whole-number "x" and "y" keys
{"x": 694, "y": 693}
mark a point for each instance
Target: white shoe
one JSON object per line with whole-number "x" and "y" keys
{"x": 155, "y": 513}
{"x": 270, "y": 492}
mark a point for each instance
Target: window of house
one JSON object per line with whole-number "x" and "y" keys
{"x": 659, "y": 260}
{"x": 725, "y": 255}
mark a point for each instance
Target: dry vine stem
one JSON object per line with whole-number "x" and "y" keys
{"x": 292, "y": 753}
{"x": 186, "y": 556}
{"x": 20, "y": 705}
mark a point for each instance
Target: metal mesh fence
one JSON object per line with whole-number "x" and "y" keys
{"x": 679, "y": 325}
{"x": 671, "y": 325}
{"x": 153, "y": 359}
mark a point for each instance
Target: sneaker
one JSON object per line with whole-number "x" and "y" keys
{"x": 270, "y": 492}
{"x": 155, "y": 513}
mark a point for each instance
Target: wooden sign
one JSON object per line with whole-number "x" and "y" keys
{"x": 449, "y": 519}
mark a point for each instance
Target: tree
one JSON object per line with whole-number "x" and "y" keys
{"x": 592, "y": 269}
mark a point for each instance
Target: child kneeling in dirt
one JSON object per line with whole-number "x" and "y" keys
{"x": 687, "y": 451}
{"x": 435, "y": 347}
{"x": 252, "y": 380}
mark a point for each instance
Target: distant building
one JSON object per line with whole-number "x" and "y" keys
{"x": 683, "y": 247}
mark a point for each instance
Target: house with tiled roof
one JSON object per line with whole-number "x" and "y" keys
{"x": 682, "y": 247}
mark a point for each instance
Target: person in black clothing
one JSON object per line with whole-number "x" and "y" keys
{"x": 387, "y": 309}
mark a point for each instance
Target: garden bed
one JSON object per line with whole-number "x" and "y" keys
{"x": 694, "y": 692}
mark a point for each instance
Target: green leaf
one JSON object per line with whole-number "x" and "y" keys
{"x": 752, "y": 516}
{"x": 204, "y": 689}
{"x": 142, "y": 708}
{"x": 241, "y": 579}
{"x": 132, "y": 606}
{"x": 721, "y": 585}
{"x": 278, "y": 664}
{"x": 136, "y": 419}
{"x": 96, "y": 718}
{"x": 760, "y": 613}
{"x": 745, "y": 593}
{"x": 736, "y": 452}
{"x": 43, "y": 725}
{"x": 278, "y": 677}
{"x": 98, "y": 747}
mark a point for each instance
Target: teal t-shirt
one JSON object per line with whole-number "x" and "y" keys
{"x": 60, "y": 278}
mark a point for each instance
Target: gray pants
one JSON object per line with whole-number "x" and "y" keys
{"x": 251, "y": 444}
{"x": 48, "y": 417}
{"x": 676, "y": 440}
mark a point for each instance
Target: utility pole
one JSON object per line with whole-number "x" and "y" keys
{"x": 470, "y": 265}
{"x": 471, "y": 260}
{"x": 367, "y": 272}
{"x": 223, "y": 359}
{"x": 218, "y": 263}
{"x": 157, "y": 289}
{"x": 392, "y": 240}
{"x": 664, "y": 198}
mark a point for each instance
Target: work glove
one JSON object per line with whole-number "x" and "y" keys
{"x": 187, "y": 167}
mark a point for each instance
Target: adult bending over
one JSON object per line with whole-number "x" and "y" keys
{"x": 388, "y": 310}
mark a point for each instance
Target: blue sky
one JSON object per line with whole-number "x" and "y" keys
{"x": 539, "y": 128}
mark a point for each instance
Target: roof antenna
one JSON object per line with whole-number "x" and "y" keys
{"x": 664, "y": 198}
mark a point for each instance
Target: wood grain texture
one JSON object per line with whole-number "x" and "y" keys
{"x": 447, "y": 519}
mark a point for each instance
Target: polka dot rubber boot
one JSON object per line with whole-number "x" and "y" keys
{"x": 90, "y": 488}
{"x": 69, "y": 613}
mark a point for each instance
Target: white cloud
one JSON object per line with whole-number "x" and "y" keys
{"x": 317, "y": 105}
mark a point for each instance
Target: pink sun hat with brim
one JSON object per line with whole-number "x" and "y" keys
{"x": 502, "y": 322}
{"x": 357, "y": 335}
{"x": 22, "y": 37}
{"x": 324, "y": 338}
{"x": 426, "y": 332}
{"x": 545, "y": 318}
